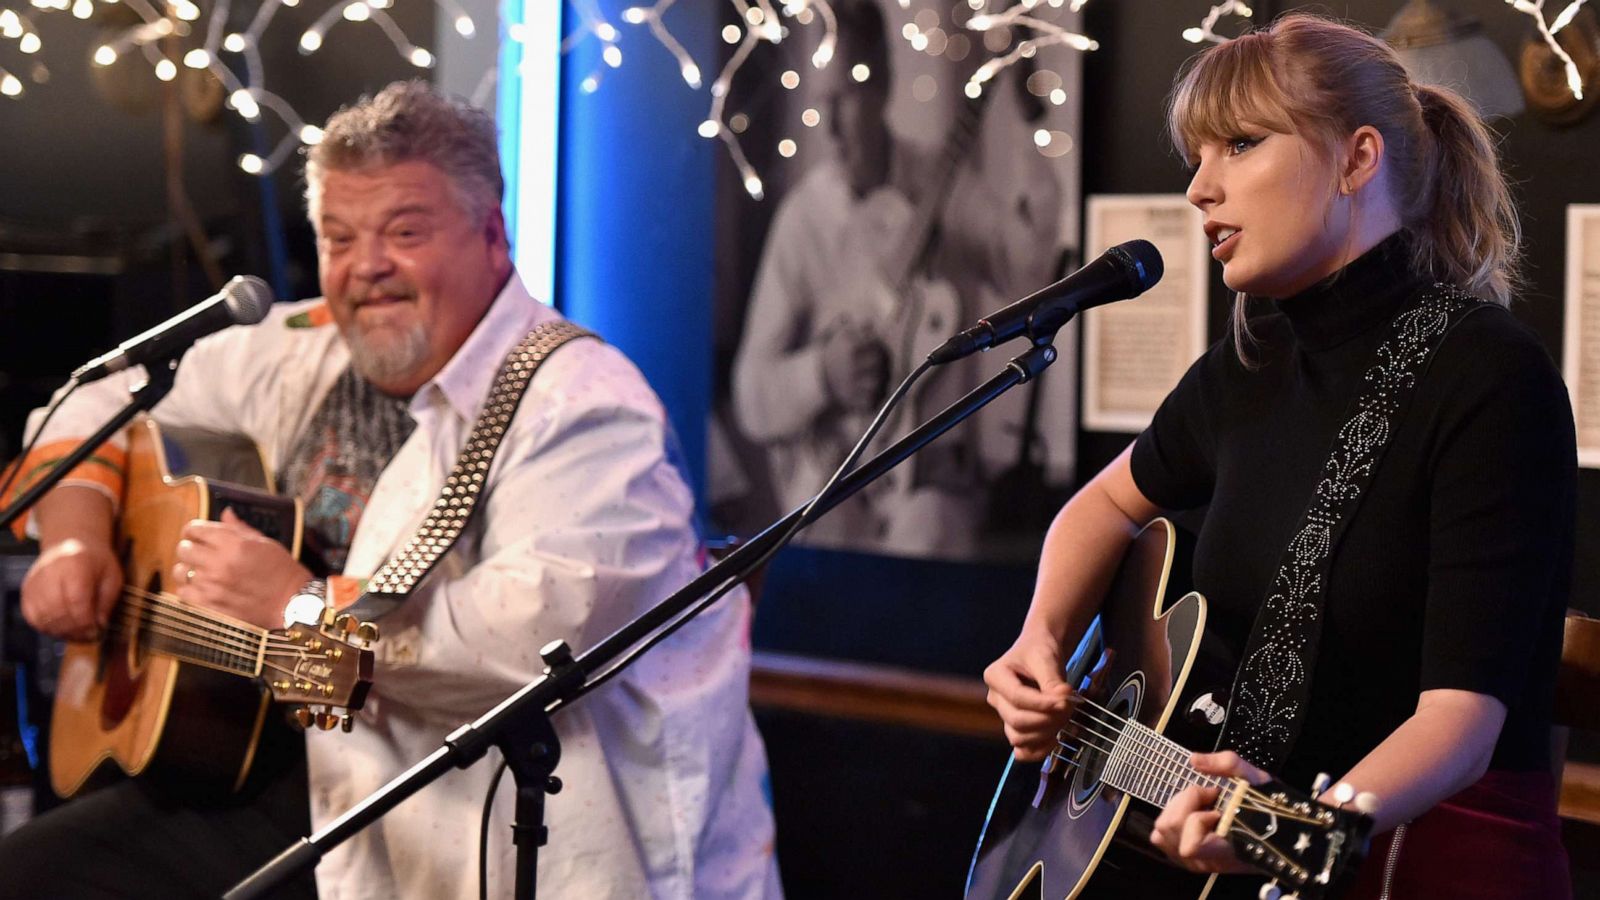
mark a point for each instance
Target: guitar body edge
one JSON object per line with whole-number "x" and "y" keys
{"x": 1070, "y": 836}
{"x": 151, "y": 714}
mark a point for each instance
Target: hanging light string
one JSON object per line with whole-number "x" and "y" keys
{"x": 1206, "y": 30}
{"x": 1042, "y": 33}
{"x": 1535, "y": 9}
{"x": 591, "y": 22}
{"x": 20, "y": 28}
{"x": 247, "y": 96}
{"x": 651, "y": 17}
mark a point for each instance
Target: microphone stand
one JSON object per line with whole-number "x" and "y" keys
{"x": 520, "y": 724}
{"x": 141, "y": 399}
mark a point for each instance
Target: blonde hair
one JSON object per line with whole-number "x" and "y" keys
{"x": 1322, "y": 80}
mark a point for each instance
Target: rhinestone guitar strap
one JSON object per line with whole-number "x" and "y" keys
{"x": 1273, "y": 684}
{"x": 459, "y": 497}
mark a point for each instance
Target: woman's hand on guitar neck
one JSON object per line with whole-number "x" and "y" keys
{"x": 1186, "y": 830}
{"x": 234, "y": 569}
{"x": 1027, "y": 690}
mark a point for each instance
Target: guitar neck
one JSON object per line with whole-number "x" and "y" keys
{"x": 1146, "y": 765}
{"x": 917, "y": 240}
{"x": 193, "y": 635}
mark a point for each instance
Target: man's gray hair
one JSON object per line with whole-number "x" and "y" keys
{"x": 409, "y": 120}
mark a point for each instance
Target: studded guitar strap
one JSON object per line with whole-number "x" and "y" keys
{"x": 458, "y": 499}
{"x": 1273, "y": 685}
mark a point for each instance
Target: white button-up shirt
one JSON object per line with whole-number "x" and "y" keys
{"x": 584, "y": 525}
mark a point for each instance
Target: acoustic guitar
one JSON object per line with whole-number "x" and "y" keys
{"x": 184, "y": 691}
{"x": 1078, "y": 824}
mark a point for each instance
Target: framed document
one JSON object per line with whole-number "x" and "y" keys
{"x": 1134, "y": 352}
{"x": 1581, "y": 353}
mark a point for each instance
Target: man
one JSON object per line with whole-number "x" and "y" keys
{"x": 846, "y": 300}
{"x": 361, "y": 401}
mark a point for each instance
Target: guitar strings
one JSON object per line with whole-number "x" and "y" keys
{"x": 170, "y": 619}
{"x": 243, "y": 636}
{"x": 208, "y": 621}
{"x": 141, "y": 610}
{"x": 226, "y": 660}
{"x": 1168, "y": 756}
{"x": 241, "y": 663}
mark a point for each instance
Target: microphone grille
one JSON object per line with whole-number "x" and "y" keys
{"x": 248, "y": 298}
{"x": 1142, "y": 262}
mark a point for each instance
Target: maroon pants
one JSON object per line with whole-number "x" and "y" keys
{"x": 1498, "y": 839}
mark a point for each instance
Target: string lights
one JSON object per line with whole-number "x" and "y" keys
{"x": 761, "y": 22}
{"x": 1206, "y": 33}
{"x": 17, "y": 27}
{"x": 247, "y": 97}
{"x": 1042, "y": 33}
{"x": 1535, "y": 8}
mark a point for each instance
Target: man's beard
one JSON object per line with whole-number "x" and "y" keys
{"x": 387, "y": 354}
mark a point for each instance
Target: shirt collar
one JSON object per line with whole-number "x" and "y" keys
{"x": 1358, "y": 298}
{"x": 465, "y": 380}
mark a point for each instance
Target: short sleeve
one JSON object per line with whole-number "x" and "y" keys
{"x": 1174, "y": 459}
{"x": 1502, "y": 508}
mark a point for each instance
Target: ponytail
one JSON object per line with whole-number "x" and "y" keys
{"x": 1464, "y": 225}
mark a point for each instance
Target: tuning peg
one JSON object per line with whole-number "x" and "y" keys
{"x": 346, "y": 723}
{"x": 302, "y": 717}
{"x": 1343, "y": 793}
{"x": 368, "y": 632}
{"x": 1270, "y": 891}
{"x": 1367, "y": 803}
{"x": 1320, "y": 783}
{"x": 345, "y": 623}
{"x": 327, "y": 721}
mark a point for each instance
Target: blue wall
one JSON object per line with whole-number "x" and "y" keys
{"x": 635, "y": 229}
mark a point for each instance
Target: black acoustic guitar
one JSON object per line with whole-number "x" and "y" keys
{"x": 1078, "y": 824}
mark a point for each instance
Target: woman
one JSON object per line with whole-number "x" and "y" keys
{"x": 1339, "y": 195}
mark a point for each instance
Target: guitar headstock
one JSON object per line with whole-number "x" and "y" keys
{"x": 1309, "y": 848}
{"x": 321, "y": 668}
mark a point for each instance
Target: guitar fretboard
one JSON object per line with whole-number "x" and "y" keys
{"x": 1146, "y": 765}
{"x": 192, "y": 635}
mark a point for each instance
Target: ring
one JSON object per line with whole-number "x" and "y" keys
{"x": 188, "y": 577}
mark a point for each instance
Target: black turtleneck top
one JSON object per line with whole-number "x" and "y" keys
{"x": 1455, "y": 571}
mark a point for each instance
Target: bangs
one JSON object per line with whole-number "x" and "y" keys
{"x": 1222, "y": 89}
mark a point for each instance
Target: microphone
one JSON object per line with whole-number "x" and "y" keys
{"x": 244, "y": 300}
{"x": 1126, "y": 270}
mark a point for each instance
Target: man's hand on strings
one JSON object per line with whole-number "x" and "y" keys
{"x": 75, "y": 583}
{"x": 1186, "y": 830}
{"x": 234, "y": 569}
{"x": 71, "y": 589}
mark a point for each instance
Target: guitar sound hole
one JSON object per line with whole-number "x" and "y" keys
{"x": 1097, "y": 738}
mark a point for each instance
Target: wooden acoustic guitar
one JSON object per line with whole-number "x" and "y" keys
{"x": 182, "y": 691}
{"x": 1078, "y": 824}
